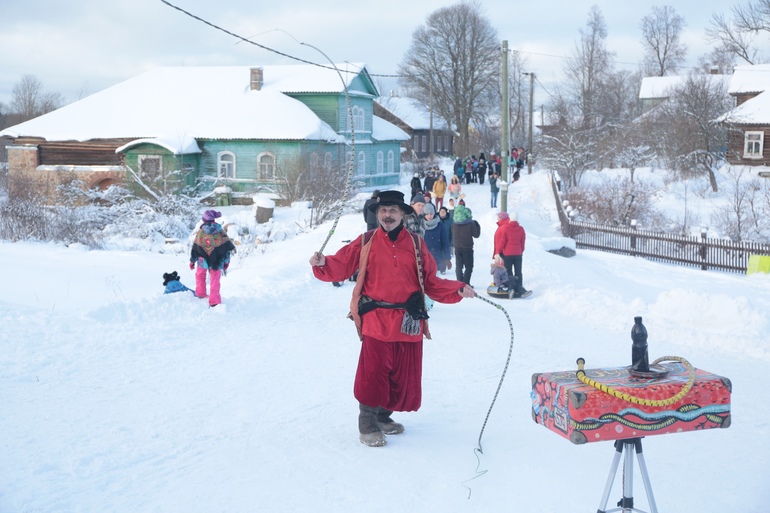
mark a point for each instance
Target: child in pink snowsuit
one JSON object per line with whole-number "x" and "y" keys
{"x": 211, "y": 251}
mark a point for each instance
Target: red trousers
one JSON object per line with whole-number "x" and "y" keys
{"x": 389, "y": 375}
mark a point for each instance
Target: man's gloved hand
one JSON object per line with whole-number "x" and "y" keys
{"x": 192, "y": 265}
{"x": 227, "y": 266}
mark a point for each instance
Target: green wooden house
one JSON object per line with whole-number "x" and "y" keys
{"x": 248, "y": 128}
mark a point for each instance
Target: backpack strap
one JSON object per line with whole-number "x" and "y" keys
{"x": 366, "y": 246}
{"x": 417, "y": 243}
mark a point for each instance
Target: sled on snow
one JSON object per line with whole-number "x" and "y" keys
{"x": 502, "y": 293}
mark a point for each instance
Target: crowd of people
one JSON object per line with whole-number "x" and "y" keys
{"x": 448, "y": 214}
{"x": 397, "y": 284}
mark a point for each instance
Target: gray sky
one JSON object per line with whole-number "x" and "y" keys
{"x": 79, "y": 47}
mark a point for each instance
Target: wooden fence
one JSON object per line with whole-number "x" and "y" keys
{"x": 691, "y": 251}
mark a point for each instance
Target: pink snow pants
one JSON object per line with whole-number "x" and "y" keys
{"x": 200, "y": 284}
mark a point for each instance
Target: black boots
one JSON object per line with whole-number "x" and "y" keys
{"x": 369, "y": 429}
{"x": 388, "y": 425}
{"x": 374, "y": 423}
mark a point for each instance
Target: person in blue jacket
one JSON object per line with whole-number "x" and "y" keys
{"x": 436, "y": 239}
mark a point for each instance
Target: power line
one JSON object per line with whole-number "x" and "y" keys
{"x": 245, "y": 40}
{"x": 544, "y": 88}
{"x": 565, "y": 57}
{"x": 283, "y": 54}
{"x": 305, "y": 61}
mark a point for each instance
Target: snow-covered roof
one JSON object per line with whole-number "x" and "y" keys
{"x": 411, "y": 111}
{"x": 383, "y": 130}
{"x": 661, "y": 87}
{"x": 215, "y": 102}
{"x": 182, "y": 146}
{"x": 750, "y": 79}
{"x": 755, "y": 111}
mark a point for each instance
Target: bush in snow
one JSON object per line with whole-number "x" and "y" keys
{"x": 743, "y": 217}
{"x": 92, "y": 217}
{"x": 616, "y": 202}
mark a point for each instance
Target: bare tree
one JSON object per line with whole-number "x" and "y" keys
{"x": 737, "y": 34}
{"x": 569, "y": 151}
{"x": 572, "y": 143}
{"x": 740, "y": 218}
{"x": 689, "y": 138}
{"x": 632, "y": 155}
{"x": 719, "y": 60}
{"x": 30, "y": 100}
{"x": 589, "y": 67}
{"x": 664, "y": 52}
{"x": 453, "y": 58}
{"x": 619, "y": 102}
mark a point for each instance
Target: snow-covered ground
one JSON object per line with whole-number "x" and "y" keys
{"x": 117, "y": 398}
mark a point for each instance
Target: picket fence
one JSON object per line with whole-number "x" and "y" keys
{"x": 694, "y": 251}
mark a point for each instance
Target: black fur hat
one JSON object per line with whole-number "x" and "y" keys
{"x": 167, "y": 277}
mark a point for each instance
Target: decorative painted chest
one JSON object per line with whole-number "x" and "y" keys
{"x": 583, "y": 413}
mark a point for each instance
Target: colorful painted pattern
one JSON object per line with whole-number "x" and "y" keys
{"x": 584, "y": 414}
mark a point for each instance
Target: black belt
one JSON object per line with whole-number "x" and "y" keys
{"x": 414, "y": 306}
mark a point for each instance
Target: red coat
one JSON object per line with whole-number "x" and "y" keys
{"x": 391, "y": 276}
{"x": 509, "y": 238}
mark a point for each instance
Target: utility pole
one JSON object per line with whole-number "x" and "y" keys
{"x": 430, "y": 88}
{"x": 531, "y": 121}
{"x": 505, "y": 148}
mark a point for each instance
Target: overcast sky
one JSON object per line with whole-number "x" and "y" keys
{"x": 79, "y": 47}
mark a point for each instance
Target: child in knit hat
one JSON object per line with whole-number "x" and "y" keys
{"x": 499, "y": 274}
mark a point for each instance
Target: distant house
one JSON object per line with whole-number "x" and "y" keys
{"x": 249, "y": 128}
{"x": 427, "y": 137}
{"x": 656, "y": 90}
{"x": 750, "y": 119}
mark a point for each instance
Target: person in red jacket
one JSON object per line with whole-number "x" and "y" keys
{"x": 510, "y": 239}
{"x": 396, "y": 271}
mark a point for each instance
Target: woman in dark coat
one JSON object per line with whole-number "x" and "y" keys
{"x": 370, "y": 216}
{"x": 416, "y": 185}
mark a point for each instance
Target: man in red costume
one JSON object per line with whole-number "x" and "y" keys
{"x": 396, "y": 271}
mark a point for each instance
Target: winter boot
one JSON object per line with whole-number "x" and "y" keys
{"x": 369, "y": 429}
{"x": 513, "y": 286}
{"x": 388, "y": 425}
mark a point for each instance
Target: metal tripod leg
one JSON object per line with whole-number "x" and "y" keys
{"x": 611, "y": 477}
{"x": 645, "y": 477}
{"x": 626, "y": 504}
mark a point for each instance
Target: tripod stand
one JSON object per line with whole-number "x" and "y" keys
{"x": 626, "y": 504}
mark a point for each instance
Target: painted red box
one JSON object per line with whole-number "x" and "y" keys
{"x": 582, "y": 413}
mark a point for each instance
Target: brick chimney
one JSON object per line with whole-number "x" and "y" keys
{"x": 257, "y": 77}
